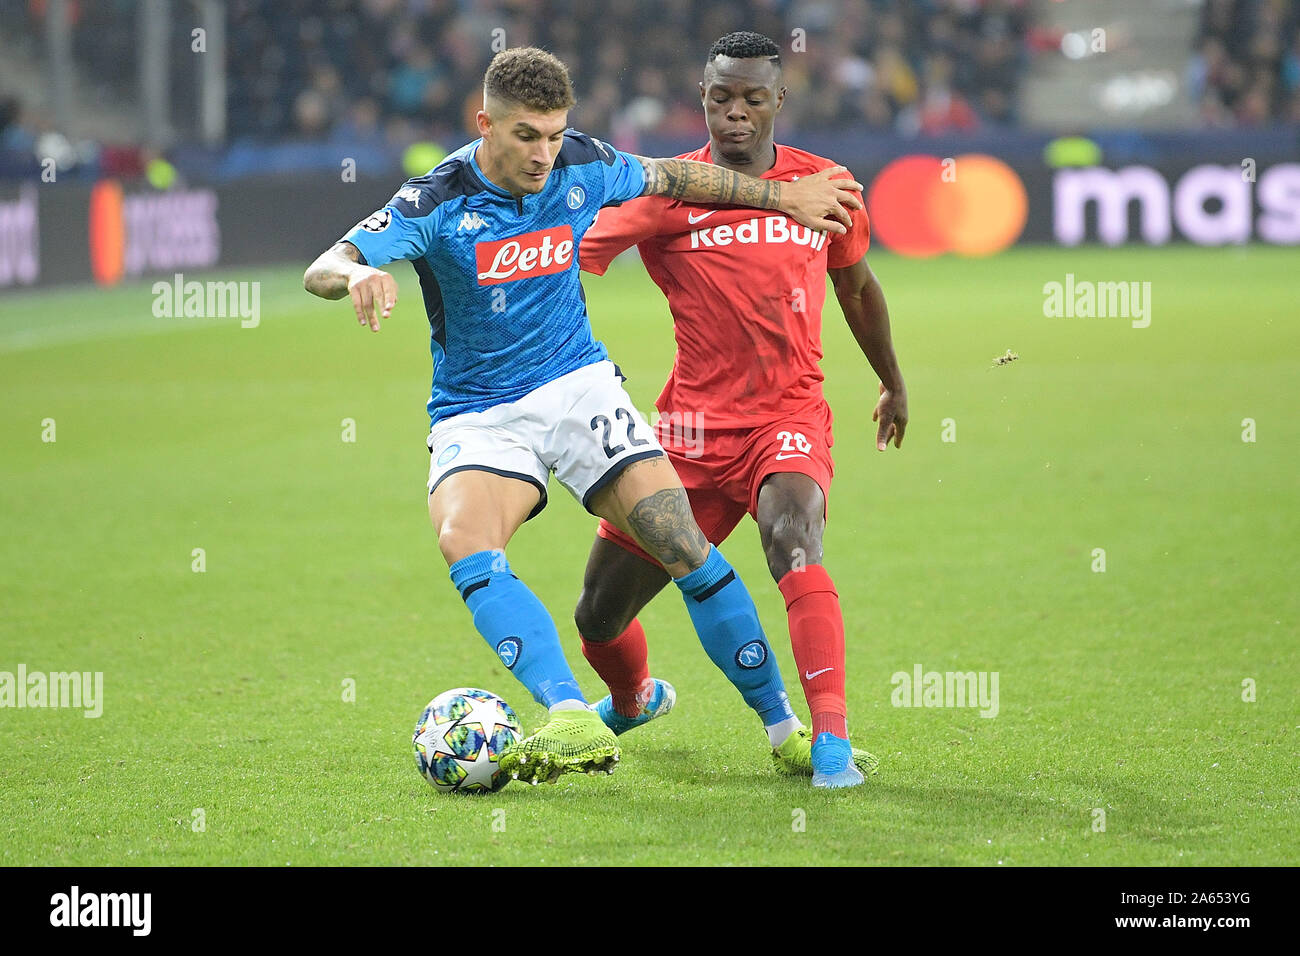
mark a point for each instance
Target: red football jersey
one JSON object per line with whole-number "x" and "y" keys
{"x": 745, "y": 288}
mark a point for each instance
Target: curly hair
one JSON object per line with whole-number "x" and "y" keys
{"x": 745, "y": 45}
{"x": 531, "y": 77}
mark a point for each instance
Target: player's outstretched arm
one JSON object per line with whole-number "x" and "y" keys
{"x": 339, "y": 271}
{"x": 817, "y": 201}
{"x": 863, "y": 301}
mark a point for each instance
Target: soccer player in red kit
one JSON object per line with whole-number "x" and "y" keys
{"x": 742, "y": 417}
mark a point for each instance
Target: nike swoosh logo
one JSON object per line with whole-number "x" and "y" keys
{"x": 791, "y": 455}
{"x": 693, "y": 219}
{"x": 808, "y": 676}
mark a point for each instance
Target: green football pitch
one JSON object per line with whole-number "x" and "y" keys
{"x": 1107, "y": 534}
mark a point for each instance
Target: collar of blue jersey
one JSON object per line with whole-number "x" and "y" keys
{"x": 488, "y": 184}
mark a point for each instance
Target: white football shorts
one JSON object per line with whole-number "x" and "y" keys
{"x": 582, "y": 426}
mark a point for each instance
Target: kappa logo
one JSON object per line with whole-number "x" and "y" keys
{"x": 752, "y": 656}
{"x": 471, "y": 221}
{"x": 411, "y": 194}
{"x": 508, "y": 650}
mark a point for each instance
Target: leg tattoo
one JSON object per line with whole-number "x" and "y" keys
{"x": 667, "y": 529}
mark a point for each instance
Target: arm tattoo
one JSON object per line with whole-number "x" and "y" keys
{"x": 324, "y": 277}
{"x": 347, "y": 250}
{"x": 706, "y": 183}
{"x": 666, "y": 527}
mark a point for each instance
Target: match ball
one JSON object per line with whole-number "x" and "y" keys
{"x": 460, "y": 737}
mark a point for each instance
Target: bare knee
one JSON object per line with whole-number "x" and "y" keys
{"x": 600, "y": 619}
{"x": 473, "y": 511}
{"x": 791, "y": 520}
{"x": 792, "y": 540}
{"x": 458, "y": 539}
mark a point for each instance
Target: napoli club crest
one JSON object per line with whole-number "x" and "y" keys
{"x": 752, "y": 655}
{"x": 508, "y": 650}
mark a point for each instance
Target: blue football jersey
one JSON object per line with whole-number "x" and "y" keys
{"x": 499, "y": 275}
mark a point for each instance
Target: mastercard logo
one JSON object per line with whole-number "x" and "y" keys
{"x": 974, "y": 206}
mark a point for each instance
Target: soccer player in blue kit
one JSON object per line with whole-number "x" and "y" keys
{"x": 521, "y": 388}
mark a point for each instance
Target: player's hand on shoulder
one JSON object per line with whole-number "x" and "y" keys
{"x": 374, "y": 293}
{"x": 891, "y": 416}
{"x": 821, "y": 201}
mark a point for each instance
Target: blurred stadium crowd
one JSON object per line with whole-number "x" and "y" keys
{"x": 919, "y": 64}
{"x": 403, "y": 69}
{"x": 1246, "y": 66}
{"x": 398, "y": 71}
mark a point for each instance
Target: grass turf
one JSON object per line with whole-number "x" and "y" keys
{"x": 224, "y": 690}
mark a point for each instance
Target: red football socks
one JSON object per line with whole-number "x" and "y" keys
{"x": 623, "y": 665}
{"x": 817, "y": 638}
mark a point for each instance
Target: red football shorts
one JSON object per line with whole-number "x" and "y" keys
{"x": 723, "y": 469}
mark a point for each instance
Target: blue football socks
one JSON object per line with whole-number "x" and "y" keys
{"x": 727, "y": 623}
{"x": 516, "y": 626}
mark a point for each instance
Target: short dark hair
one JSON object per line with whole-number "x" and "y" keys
{"x": 745, "y": 45}
{"x": 531, "y": 77}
